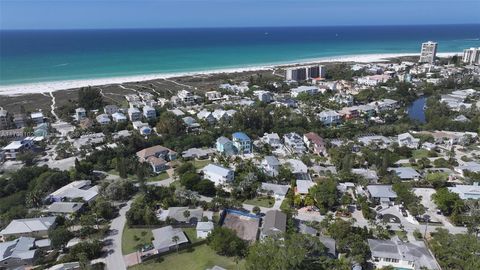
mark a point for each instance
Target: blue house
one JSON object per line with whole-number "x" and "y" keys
{"x": 225, "y": 146}
{"x": 242, "y": 143}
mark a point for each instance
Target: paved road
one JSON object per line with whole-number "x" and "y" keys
{"x": 114, "y": 259}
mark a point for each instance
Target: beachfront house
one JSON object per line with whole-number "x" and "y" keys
{"x": 37, "y": 117}
{"x": 80, "y": 114}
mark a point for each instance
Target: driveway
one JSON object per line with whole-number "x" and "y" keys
{"x": 114, "y": 259}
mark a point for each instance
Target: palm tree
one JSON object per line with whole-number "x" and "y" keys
{"x": 175, "y": 239}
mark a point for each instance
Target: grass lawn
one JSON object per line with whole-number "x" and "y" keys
{"x": 420, "y": 153}
{"x": 198, "y": 258}
{"x": 132, "y": 238}
{"x": 191, "y": 234}
{"x": 159, "y": 177}
{"x": 201, "y": 163}
{"x": 261, "y": 201}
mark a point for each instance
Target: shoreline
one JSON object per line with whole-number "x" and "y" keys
{"x": 52, "y": 86}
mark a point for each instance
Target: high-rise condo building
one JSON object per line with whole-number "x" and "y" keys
{"x": 429, "y": 52}
{"x": 471, "y": 56}
{"x": 305, "y": 72}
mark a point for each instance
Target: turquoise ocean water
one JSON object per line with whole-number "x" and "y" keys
{"x": 38, "y": 56}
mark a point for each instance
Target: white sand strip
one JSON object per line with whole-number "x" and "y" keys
{"x": 46, "y": 87}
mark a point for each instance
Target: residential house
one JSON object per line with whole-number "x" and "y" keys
{"x": 16, "y": 147}
{"x": 80, "y": 114}
{"x": 294, "y": 143}
{"x": 78, "y": 189}
{"x": 274, "y": 223}
{"x": 400, "y": 255}
{"x": 279, "y": 191}
{"x": 18, "y": 254}
{"x": 381, "y": 194}
{"x": 191, "y": 124}
{"x": 168, "y": 238}
{"x": 213, "y": 95}
{"x": 271, "y": 165}
{"x": 218, "y": 174}
{"x": 204, "y": 229}
{"x": 225, "y": 146}
{"x": 19, "y": 119}
{"x": 149, "y": 112}
{"x": 303, "y": 186}
{"x": 37, "y": 117}
{"x": 349, "y": 113}
{"x": 384, "y": 105}
{"x": 263, "y": 96}
{"x": 31, "y": 227}
{"x": 405, "y": 173}
{"x": 370, "y": 175}
{"x": 119, "y": 117}
{"x": 315, "y": 143}
{"x": 186, "y": 97}
{"x": 466, "y": 192}
{"x": 134, "y": 114}
{"x": 407, "y": 140}
{"x": 242, "y": 143}
{"x": 4, "y": 119}
{"x": 110, "y": 109}
{"x": 310, "y": 90}
{"x": 470, "y": 166}
{"x": 207, "y": 116}
{"x": 329, "y": 117}
{"x": 272, "y": 139}
{"x": 64, "y": 208}
{"x": 157, "y": 156}
{"x": 181, "y": 215}
{"x": 331, "y": 246}
{"x": 103, "y": 119}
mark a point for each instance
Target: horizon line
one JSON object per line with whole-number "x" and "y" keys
{"x": 236, "y": 27}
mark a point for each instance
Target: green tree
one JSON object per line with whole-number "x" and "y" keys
{"x": 448, "y": 202}
{"x": 226, "y": 242}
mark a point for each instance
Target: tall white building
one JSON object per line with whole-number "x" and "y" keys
{"x": 305, "y": 72}
{"x": 429, "y": 52}
{"x": 471, "y": 56}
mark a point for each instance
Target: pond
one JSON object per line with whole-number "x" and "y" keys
{"x": 416, "y": 111}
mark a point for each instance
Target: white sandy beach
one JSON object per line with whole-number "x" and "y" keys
{"x": 46, "y": 87}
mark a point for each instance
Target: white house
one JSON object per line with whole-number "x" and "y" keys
{"x": 294, "y": 143}
{"x": 310, "y": 90}
{"x": 401, "y": 255}
{"x": 271, "y": 165}
{"x": 80, "y": 114}
{"x": 204, "y": 229}
{"x": 103, "y": 119}
{"x": 119, "y": 117}
{"x": 218, "y": 174}
{"x": 134, "y": 114}
{"x": 272, "y": 139}
{"x": 407, "y": 140}
{"x": 149, "y": 112}
{"x": 329, "y": 117}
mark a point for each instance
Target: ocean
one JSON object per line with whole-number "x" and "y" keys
{"x": 28, "y": 56}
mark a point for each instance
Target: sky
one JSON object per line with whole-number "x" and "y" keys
{"x": 94, "y": 14}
